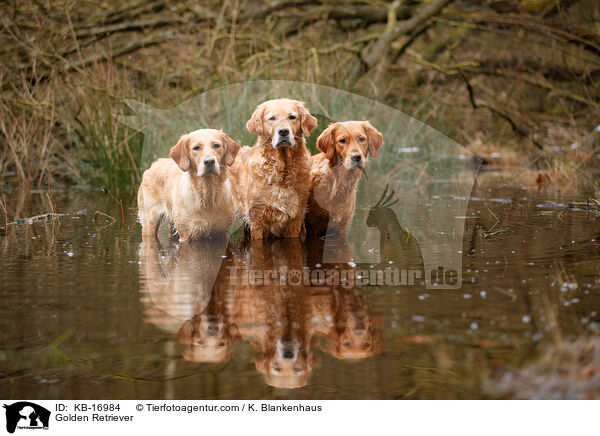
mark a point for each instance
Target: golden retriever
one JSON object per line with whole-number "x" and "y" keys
{"x": 177, "y": 280}
{"x": 272, "y": 312}
{"x": 339, "y": 311}
{"x": 353, "y": 333}
{"x": 335, "y": 174}
{"x": 270, "y": 181}
{"x": 209, "y": 336}
{"x": 184, "y": 291}
{"x": 191, "y": 188}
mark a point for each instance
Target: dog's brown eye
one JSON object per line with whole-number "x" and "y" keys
{"x": 200, "y": 343}
{"x": 292, "y": 117}
{"x": 197, "y": 147}
{"x": 271, "y": 118}
{"x": 221, "y": 344}
{"x": 366, "y": 345}
{"x": 278, "y": 369}
{"x": 216, "y": 145}
{"x": 361, "y": 139}
{"x": 342, "y": 141}
{"x": 297, "y": 369}
{"x": 347, "y": 344}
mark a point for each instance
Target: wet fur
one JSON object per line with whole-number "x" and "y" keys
{"x": 332, "y": 196}
{"x": 270, "y": 185}
{"x": 271, "y": 313}
{"x": 197, "y": 205}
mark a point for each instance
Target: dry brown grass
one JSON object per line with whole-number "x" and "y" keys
{"x": 67, "y": 64}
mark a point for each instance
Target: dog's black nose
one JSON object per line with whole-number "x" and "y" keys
{"x": 283, "y": 132}
{"x": 288, "y": 354}
{"x": 356, "y": 157}
{"x": 209, "y": 161}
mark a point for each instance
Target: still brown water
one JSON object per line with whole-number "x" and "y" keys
{"x": 89, "y": 310}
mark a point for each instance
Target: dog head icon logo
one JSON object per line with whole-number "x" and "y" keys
{"x": 26, "y": 415}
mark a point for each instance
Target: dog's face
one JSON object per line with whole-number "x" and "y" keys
{"x": 204, "y": 152}
{"x": 207, "y": 338}
{"x": 283, "y": 121}
{"x": 355, "y": 337}
{"x": 287, "y": 366}
{"x": 350, "y": 142}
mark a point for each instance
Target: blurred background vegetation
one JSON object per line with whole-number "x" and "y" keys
{"x": 515, "y": 81}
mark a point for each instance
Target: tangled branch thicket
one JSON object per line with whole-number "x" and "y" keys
{"x": 520, "y": 74}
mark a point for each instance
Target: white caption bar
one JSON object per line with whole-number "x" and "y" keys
{"x": 163, "y": 417}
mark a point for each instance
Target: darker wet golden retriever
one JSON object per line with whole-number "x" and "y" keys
{"x": 270, "y": 181}
{"x": 335, "y": 173}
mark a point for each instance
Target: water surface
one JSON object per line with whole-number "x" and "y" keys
{"x": 89, "y": 310}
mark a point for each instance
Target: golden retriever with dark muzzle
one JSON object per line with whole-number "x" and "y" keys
{"x": 335, "y": 174}
{"x": 191, "y": 188}
{"x": 270, "y": 181}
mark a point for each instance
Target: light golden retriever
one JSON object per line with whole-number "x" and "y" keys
{"x": 177, "y": 280}
{"x": 209, "y": 336}
{"x": 270, "y": 181}
{"x": 335, "y": 174}
{"x": 184, "y": 291}
{"x": 191, "y": 188}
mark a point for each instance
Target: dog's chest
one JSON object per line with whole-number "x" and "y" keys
{"x": 279, "y": 183}
{"x": 205, "y": 207}
{"x": 335, "y": 189}
{"x": 274, "y": 172}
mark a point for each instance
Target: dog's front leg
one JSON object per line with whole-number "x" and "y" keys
{"x": 258, "y": 232}
{"x": 337, "y": 228}
{"x": 183, "y": 231}
{"x": 295, "y": 229}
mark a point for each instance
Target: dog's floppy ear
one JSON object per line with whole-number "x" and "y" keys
{"x": 261, "y": 364}
{"x": 234, "y": 332}
{"x": 255, "y": 123}
{"x": 180, "y": 153}
{"x": 377, "y": 346}
{"x": 307, "y": 121}
{"x": 185, "y": 333}
{"x": 311, "y": 362}
{"x": 375, "y": 138}
{"x": 231, "y": 149}
{"x": 331, "y": 343}
{"x": 326, "y": 141}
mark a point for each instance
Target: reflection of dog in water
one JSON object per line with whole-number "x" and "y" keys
{"x": 177, "y": 281}
{"x": 274, "y": 317}
{"x": 354, "y": 334}
{"x": 350, "y": 330}
{"x": 284, "y": 356}
{"x": 209, "y": 336}
{"x": 187, "y": 293}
